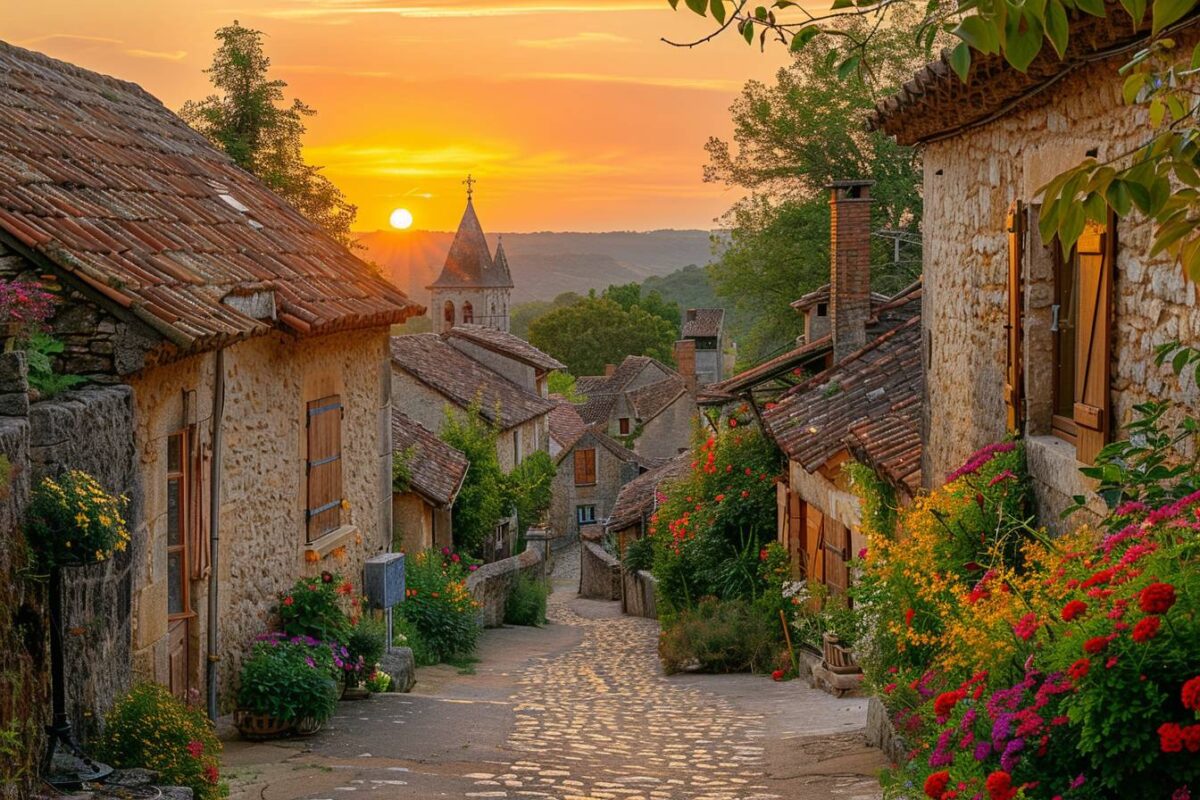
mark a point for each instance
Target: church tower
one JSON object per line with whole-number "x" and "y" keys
{"x": 474, "y": 286}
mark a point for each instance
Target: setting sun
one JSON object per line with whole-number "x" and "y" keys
{"x": 401, "y": 218}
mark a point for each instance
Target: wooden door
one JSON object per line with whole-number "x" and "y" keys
{"x": 180, "y": 536}
{"x": 1093, "y": 346}
{"x": 795, "y": 542}
{"x": 814, "y": 544}
{"x": 837, "y": 556}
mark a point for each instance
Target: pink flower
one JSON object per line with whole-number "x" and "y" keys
{"x": 195, "y": 748}
{"x": 1026, "y": 627}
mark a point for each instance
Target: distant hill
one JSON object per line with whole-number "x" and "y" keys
{"x": 545, "y": 264}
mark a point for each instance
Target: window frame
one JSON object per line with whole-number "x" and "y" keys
{"x": 623, "y": 426}
{"x": 588, "y": 519}
{"x": 1062, "y": 426}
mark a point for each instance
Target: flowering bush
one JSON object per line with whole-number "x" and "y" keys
{"x": 73, "y": 521}
{"x": 289, "y": 680}
{"x": 438, "y": 605}
{"x": 25, "y": 303}
{"x": 316, "y": 607}
{"x": 365, "y": 645}
{"x": 150, "y": 728}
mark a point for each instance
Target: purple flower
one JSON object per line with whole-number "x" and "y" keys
{"x": 982, "y": 751}
{"x": 1009, "y": 758}
{"x": 968, "y": 719}
{"x": 1002, "y": 728}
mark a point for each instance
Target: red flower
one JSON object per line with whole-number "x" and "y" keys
{"x": 1073, "y": 609}
{"x": 1191, "y": 738}
{"x": 211, "y": 775}
{"x": 999, "y": 786}
{"x": 1103, "y": 576}
{"x": 908, "y": 617}
{"x": 935, "y": 784}
{"x": 195, "y": 748}
{"x": 1079, "y": 669}
{"x": 287, "y": 601}
{"x": 1026, "y": 627}
{"x": 745, "y": 494}
{"x": 732, "y": 422}
{"x": 1191, "y": 694}
{"x": 1096, "y": 644}
{"x": 326, "y": 577}
{"x": 345, "y": 588}
{"x": 1157, "y": 598}
{"x": 762, "y": 554}
{"x": 777, "y": 675}
{"x": 946, "y": 701}
{"x": 1170, "y": 737}
{"x": 720, "y": 498}
{"x": 1146, "y": 629}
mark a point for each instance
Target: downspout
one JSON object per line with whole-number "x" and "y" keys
{"x": 214, "y": 527}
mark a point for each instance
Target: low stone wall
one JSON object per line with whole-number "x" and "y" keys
{"x": 638, "y": 594}
{"x": 599, "y": 573}
{"x": 882, "y": 734}
{"x": 491, "y": 583}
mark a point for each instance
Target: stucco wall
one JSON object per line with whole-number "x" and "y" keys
{"x": 422, "y": 404}
{"x": 412, "y": 523}
{"x": 669, "y": 432}
{"x": 969, "y": 182}
{"x": 269, "y": 381}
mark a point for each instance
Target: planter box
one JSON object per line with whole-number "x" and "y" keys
{"x": 258, "y": 727}
{"x": 837, "y": 657}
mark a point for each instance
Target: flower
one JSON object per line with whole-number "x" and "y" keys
{"x": 777, "y": 675}
{"x": 195, "y": 748}
{"x": 1157, "y": 598}
{"x": 1079, "y": 670}
{"x": 1146, "y": 629}
{"x": 1026, "y": 627}
{"x": 1190, "y": 694}
{"x": 908, "y": 617}
{"x": 733, "y": 422}
{"x": 326, "y": 577}
{"x": 946, "y": 701}
{"x": 936, "y": 783}
{"x": 210, "y": 773}
{"x": 287, "y": 601}
{"x": 999, "y": 786}
{"x": 1170, "y": 737}
{"x": 1073, "y": 610}
{"x": 1191, "y": 738}
{"x": 1096, "y": 644}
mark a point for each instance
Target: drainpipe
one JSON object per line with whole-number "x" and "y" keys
{"x": 214, "y": 528}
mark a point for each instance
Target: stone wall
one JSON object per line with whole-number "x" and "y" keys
{"x": 969, "y": 182}
{"x": 491, "y": 583}
{"x": 639, "y": 594}
{"x": 611, "y": 475}
{"x": 669, "y": 432}
{"x": 599, "y": 572}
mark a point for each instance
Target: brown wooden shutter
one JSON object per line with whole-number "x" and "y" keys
{"x": 585, "y": 467}
{"x": 837, "y": 556}
{"x": 1092, "y": 410}
{"x": 324, "y": 466}
{"x": 814, "y": 544}
{"x": 1014, "y": 376}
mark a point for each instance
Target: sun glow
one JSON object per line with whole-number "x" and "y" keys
{"x": 401, "y": 218}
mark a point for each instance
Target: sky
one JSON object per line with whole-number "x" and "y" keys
{"x": 570, "y": 114}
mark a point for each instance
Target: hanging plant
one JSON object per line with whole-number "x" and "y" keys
{"x": 73, "y": 521}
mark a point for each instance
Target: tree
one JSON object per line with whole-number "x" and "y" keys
{"x": 523, "y": 314}
{"x": 529, "y": 487}
{"x": 629, "y": 295}
{"x": 482, "y": 501}
{"x": 246, "y": 120}
{"x": 597, "y": 331}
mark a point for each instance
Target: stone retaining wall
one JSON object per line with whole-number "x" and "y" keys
{"x": 882, "y": 734}
{"x": 638, "y": 594}
{"x": 491, "y": 583}
{"x": 599, "y": 573}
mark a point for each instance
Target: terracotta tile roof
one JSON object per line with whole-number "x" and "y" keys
{"x": 595, "y": 438}
{"x": 506, "y": 344}
{"x": 891, "y": 444}
{"x": 813, "y": 419}
{"x": 437, "y": 468}
{"x": 649, "y": 400}
{"x": 469, "y": 264}
{"x": 637, "y": 498}
{"x": 461, "y": 379}
{"x": 99, "y": 180}
{"x": 936, "y": 103}
{"x": 566, "y": 426}
{"x": 703, "y": 323}
{"x": 602, "y": 391}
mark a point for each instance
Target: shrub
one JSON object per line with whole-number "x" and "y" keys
{"x": 314, "y": 607}
{"x": 639, "y": 555}
{"x": 150, "y": 728}
{"x": 526, "y": 603}
{"x": 379, "y": 681}
{"x": 72, "y": 520}
{"x": 39, "y": 351}
{"x": 287, "y": 680}
{"x": 528, "y": 488}
{"x": 365, "y": 646}
{"x": 439, "y": 606}
{"x": 405, "y": 634}
{"x": 482, "y": 500}
{"x": 720, "y": 636}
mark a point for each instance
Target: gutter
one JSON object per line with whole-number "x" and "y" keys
{"x": 214, "y": 528}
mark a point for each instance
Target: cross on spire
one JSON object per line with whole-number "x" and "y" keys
{"x": 470, "y": 183}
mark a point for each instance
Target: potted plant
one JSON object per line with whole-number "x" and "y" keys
{"x": 285, "y": 687}
{"x": 365, "y": 647}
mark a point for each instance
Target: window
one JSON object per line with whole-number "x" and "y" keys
{"x": 624, "y": 426}
{"x": 448, "y": 312}
{"x": 324, "y": 466}
{"x": 822, "y": 309}
{"x": 468, "y": 313}
{"x": 178, "y": 602}
{"x": 585, "y": 515}
{"x": 585, "y": 467}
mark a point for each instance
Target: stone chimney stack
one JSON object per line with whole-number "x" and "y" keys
{"x": 850, "y": 264}
{"x": 685, "y": 361}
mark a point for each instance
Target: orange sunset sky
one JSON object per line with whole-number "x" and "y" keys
{"x": 571, "y": 114}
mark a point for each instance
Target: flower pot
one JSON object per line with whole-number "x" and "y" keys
{"x": 356, "y": 693}
{"x": 257, "y": 727}
{"x": 837, "y": 657}
{"x": 307, "y": 726}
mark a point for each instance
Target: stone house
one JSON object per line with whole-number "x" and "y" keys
{"x": 422, "y": 511}
{"x": 642, "y": 403}
{"x": 254, "y": 346}
{"x": 704, "y": 328}
{"x": 566, "y": 426}
{"x": 1016, "y": 336}
{"x": 590, "y": 473}
{"x": 474, "y": 285}
{"x": 509, "y": 355}
{"x": 638, "y": 500}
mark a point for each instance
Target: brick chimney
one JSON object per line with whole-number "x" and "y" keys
{"x": 609, "y": 369}
{"x": 685, "y": 361}
{"x": 850, "y": 265}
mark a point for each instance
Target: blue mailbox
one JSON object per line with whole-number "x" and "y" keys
{"x": 383, "y": 580}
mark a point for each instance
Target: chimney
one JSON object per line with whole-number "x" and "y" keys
{"x": 609, "y": 369}
{"x": 850, "y": 264}
{"x": 685, "y": 361}
{"x": 691, "y": 315}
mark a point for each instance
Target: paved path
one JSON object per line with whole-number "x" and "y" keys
{"x": 578, "y": 710}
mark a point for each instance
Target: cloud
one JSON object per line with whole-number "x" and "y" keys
{"x": 577, "y": 40}
{"x": 458, "y": 160}
{"x": 172, "y": 55}
{"x": 457, "y": 8}
{"x": 699, "y": 84}
{"x": 321, "y": 69}
{"x": 107, "y": 43}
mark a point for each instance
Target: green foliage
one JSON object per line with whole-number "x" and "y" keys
{"x": 287, "y": 680}
{"x": 402, "y": 469}
{"x": 879, "y": 500}
{"x": 405, "y": 634}
{"x": 482, "y": 501}
{"x": 522, "y": 315}
{"x": 379, "y": 682}
{"x": 312, "y": 607}
{"x": 639, "y": 555}
{"x": 563, "y": 383}
{"x": 526, "y": 603}
{"x": 247, "y": 118}
{"x": 720, "y": 636}
{"x": 150, "y": 728}
{"x": 631, "y": 295}
{"x": 365, "y": 646}
{"x": 438, "y": 605}
{"x": 528, "y": 488}
{"x": 597, "y": 331}
{"x": 72, "y": 520}
{"x": 40, "y": 349}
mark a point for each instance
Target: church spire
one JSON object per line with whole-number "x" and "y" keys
{"x": 469, "y": 264}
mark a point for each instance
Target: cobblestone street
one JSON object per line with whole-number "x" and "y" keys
{"x": 578, "y": 709}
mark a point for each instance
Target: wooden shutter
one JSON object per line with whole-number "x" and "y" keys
{"x": 814, "y": 544}
{"x": 1013, "y": 377}
{"x": 585, "y": 467}
{"x": 837, "y": 554}
{"x": 324, "y": 466}
{"x": 1092, "y": 410}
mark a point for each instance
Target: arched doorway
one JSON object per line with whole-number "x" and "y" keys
{"x": 468, "y": 314}
{"x": 448, "y": 312}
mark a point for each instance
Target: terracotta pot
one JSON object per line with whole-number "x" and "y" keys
{"x": 307, "y": 726}
{"x": 256, "y": 727}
